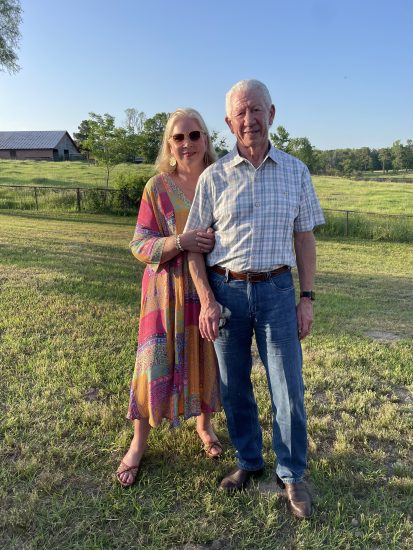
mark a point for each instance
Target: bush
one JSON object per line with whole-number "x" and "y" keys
{"x": 129, "y": 188}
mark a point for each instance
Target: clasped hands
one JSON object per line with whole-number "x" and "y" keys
{"x": 198, "y": 240}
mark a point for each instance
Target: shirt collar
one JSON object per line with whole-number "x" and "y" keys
{"x": 235, "y": 158}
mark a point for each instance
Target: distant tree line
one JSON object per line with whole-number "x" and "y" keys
{"x": 137, "y": 139}
{"x": 345, "y": 161}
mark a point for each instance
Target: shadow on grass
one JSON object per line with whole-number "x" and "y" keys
{"x": 93, "y": 272}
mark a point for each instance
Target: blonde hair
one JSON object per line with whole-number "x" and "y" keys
{"x": 162, "y": 161}
{"x": 247, "y": 86}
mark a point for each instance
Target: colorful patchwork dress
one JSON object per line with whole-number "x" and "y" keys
{"x": 176, "y": 372}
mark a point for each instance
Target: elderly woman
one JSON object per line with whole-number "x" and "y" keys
{"x": 176, "y": 371}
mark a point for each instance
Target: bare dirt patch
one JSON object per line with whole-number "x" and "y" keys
{"x": 383, "y": 336}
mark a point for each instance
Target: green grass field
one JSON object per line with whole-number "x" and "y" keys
{"x": 336, "y": 193}
{"x": 61, "y": 174}
{"x": 364, "y": 196}
{"x": 69, "y": 292}
{"x": 401, "y": 174}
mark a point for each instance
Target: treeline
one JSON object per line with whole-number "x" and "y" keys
{"x": 347, "y": 162}
{"x": 138, "y": 139}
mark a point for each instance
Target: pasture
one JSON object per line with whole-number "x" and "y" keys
{"x": 364, "y": 196}
{"x": 371, "y": 210}
{"x": 69, "y": 292}
{"x": 334, "y": 192}
{"x": 61, "y": 174}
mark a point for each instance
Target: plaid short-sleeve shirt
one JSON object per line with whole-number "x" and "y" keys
{"x": 254, "y": 211}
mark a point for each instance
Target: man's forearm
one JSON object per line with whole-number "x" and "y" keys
{"x": 305, "y": 252}
{"x": 210, "y": 310}
{"x": 304, "y": 244}
{"x": 198, "y": 272}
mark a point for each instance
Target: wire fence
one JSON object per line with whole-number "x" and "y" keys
{"x": 67, "y": 199}
{"x": 367, "y": 225}
{"x": 348, "y": 223}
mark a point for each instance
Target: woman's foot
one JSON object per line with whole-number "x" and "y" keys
{"x": 128, "y": 468}
{"x": 212, "y": 446}
{"x": 126, "y": 475}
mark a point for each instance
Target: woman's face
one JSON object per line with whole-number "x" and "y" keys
{"x": 188, "y": 144}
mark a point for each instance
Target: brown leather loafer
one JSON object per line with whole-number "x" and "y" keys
{"x": 299, "y": 499}
{"x": 238, "y": 479}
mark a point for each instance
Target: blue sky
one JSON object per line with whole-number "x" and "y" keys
{"x": 340, "y": 73}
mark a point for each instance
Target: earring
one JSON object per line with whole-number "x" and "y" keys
{"x": 172, "y": 161}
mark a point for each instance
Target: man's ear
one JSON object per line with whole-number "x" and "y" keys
{"x": 228, "y": 121}
{"x": 272, "y": 114}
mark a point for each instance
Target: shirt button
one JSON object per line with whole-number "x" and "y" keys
{"x": 257, "y": 204}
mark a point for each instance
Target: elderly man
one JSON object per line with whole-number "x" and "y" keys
{"x": 262, "y": 205}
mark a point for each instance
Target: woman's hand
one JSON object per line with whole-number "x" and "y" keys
{"x": 198, "y": 240}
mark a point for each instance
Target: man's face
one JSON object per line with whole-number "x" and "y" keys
{"x": 250, "y": 119}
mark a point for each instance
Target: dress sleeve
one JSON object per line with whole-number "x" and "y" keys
{"x": 149, "y": 237}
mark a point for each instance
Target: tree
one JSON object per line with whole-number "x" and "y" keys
{"x": 385, "y": 158}
{"x": 153, "y": 130}
{"x": 302, "y": 149}
{"x": 363, "y": 159}
{"x": 82, "y": 135}
{"x": 409, "y": 154}
{"x": 374, "y": 159}
{"x": 399, "y": 157}
{"x": 10, "y": 19}
{"x": 134, "y": 121}
{"x": 108, "y": 144}
{"x": 281, "y": 139}
{"x": 82, "y": 132}
{"x": 219, "y": 144}
{"x": 299, "y": 147}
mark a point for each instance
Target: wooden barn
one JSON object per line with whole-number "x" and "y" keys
{"x": 42, "y": 145}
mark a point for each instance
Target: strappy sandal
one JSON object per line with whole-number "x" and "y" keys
{"x": 132, "y": 469}
{"x": 208, "y": 446}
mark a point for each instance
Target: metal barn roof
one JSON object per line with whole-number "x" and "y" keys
{"x": 30, "y": 140}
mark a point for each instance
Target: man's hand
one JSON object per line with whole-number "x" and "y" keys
{"x": 198, "y": 240}
{"x": 305, "y": 317}
{"x": 209, "y": 320}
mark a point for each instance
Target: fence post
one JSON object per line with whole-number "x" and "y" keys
{"x": 35, "y": 198}
{"x": 347, "y": 213}
{"x": 78, "y": 199}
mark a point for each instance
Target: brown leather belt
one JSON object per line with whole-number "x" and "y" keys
{"x": 250, "y": 277}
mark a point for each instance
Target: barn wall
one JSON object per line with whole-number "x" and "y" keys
{"x": 28, "y": 154}
{"x": 66, "y": 143}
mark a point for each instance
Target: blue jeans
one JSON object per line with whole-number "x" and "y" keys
{"x": 266, "y": 308}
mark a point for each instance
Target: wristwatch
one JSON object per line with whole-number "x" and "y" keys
{"x": 308, "y": 294}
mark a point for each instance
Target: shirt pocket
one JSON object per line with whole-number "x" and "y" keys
{"x": 286, "y": 206}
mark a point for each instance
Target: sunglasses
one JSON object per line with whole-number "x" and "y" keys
{"x": 193, "y": 136}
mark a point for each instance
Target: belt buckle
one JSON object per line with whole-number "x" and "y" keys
{"x": 253, "y": 276}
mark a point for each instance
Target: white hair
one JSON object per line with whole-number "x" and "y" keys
{"x": 247, "y": 86}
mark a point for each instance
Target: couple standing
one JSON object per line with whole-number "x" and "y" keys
{"x": 262, "y": 208}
